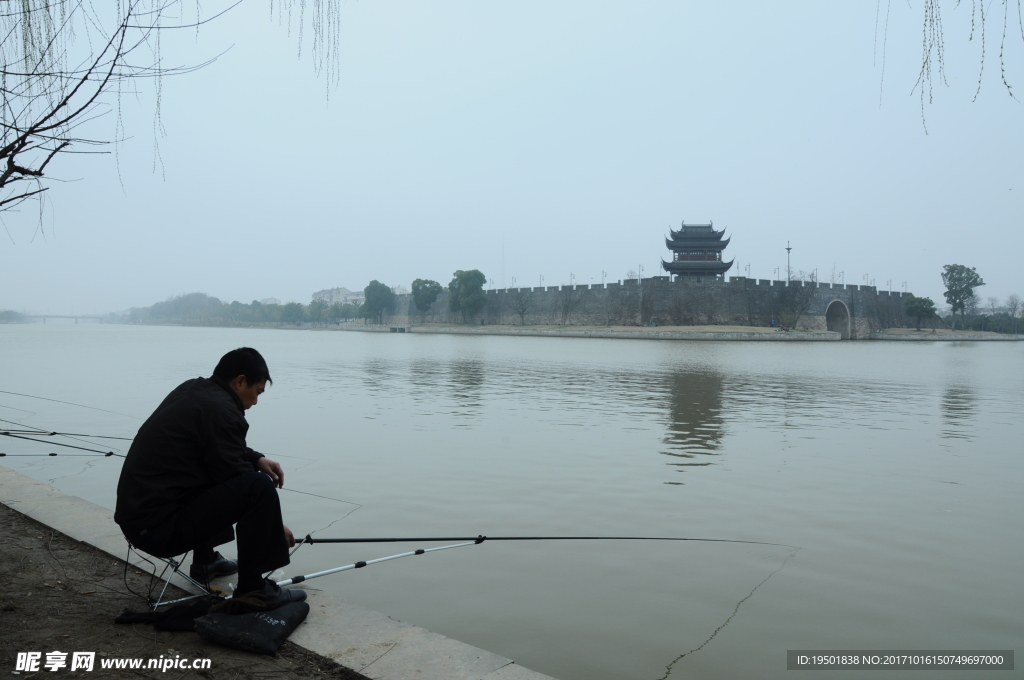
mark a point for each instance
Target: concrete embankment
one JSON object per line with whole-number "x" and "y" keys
{"x": 926, "y": 336}
{"x": 371, "y": 644}
{"x": 726, "y": 333}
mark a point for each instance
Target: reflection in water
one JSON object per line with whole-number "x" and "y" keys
{"x": 684, "y": 409}
{"x": 377, "y": 373}
{"x": 466, "y": 380}
{"x": 959, "y": 408}
{"x": 695, "y": 426}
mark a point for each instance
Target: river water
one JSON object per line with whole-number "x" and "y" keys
{"x": 895, "y": 467}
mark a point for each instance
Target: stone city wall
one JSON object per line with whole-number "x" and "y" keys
{"x": 854, "y": 311}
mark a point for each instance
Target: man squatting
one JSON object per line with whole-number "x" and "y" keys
{"x": 189, "y": 476}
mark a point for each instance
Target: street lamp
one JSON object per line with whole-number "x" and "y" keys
{"x": 789, "y": 271}
{"x": 776, "y": 270}
{"x": 603, "y": 274}
{"x": 541, "y": 281}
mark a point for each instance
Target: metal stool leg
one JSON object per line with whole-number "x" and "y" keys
{"x": 169, "y": 564}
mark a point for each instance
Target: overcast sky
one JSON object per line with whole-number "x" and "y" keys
{"x": 530, "y": 139}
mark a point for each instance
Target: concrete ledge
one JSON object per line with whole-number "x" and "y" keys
{"x": 645, "y": 334}
{"x": 925, "y": 336}
{"x": 364, "y": 640}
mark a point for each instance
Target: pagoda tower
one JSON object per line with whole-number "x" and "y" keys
{"x": 696, "y": 251}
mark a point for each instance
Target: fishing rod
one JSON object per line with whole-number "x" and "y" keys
{"x": 108, "y": 454}
{"x": 70, "y": 446}
{"x": 477, "y": 541}
{"x": 364, "y": 563}
{"x": 43, "y": 433}
{"x": 480, "y": 539}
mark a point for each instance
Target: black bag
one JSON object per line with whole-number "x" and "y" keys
{"x": 260, "y": 632}
{"x": 178, "y": 618}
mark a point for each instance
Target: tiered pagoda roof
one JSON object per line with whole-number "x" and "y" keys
{"x": 696, "y": 251}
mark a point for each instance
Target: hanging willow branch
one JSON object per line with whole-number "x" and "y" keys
{"x": 933, "y": 44}
{"x": 60, "y": 59}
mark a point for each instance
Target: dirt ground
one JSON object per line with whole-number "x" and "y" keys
{"x": 59, "y": 594}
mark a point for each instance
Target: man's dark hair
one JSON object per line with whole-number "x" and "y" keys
{"x": 243, "y": 361}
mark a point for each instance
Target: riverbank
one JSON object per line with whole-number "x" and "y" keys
{"x": 61, "y": 594}
{"x": 942, "y": 334}
{"x": 721, "y": 333}
{"x": 700, "y": 333}
{"x": 61, "y": 585}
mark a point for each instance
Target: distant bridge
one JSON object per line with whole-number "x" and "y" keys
{"x": 91, "y": 317}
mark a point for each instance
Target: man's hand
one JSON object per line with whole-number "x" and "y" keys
{"x": 272, "y": 470}
{"x": 290, "y": 537}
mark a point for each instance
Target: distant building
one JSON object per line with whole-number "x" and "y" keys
{"x": 270, "y": 301}
{"x": 696, "y": 251}
{"x": 342, "y": 295}
{"x": 399, "y": 290}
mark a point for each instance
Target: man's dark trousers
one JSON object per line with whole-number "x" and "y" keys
{"x": 248, "y": 501}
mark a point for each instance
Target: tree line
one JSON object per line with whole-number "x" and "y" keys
{"x": 466, "y": 296}
{"x": 975, "y": 314}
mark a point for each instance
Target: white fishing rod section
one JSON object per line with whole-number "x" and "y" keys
{"x": 366, "y": 563}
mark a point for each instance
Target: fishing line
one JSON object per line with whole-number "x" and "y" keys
{"x": 338, "y": 500}
{"x": 300, "y": 543}
{"x": 15, "y": 408}
{"x": 69, "y": 403}
{"x": 15, "y": 422}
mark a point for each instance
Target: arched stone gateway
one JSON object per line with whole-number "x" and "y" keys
{"x": 837, "y": 318}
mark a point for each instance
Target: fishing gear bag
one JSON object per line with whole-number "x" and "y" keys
{"x": 259, "y": 632}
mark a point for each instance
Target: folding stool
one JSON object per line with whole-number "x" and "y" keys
{"x": 171, "y": 567}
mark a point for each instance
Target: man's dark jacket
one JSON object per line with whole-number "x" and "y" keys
{"x": 194, "y": 440}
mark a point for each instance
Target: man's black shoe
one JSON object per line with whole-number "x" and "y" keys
{"x": 219, "y": 567}
{"x": 275, "y": 596}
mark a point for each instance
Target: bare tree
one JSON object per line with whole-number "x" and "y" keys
{"x": 1012, "y": 307}
{"x": 46, "y": 100}
{"x": 519, "y": 302}
{"x": 795, "y": 299}
{"x": 992, "y": 303}
{"x": 972, "y": 304}
{"x": 568, "y": 300}
{"x": 61, "y": 62}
